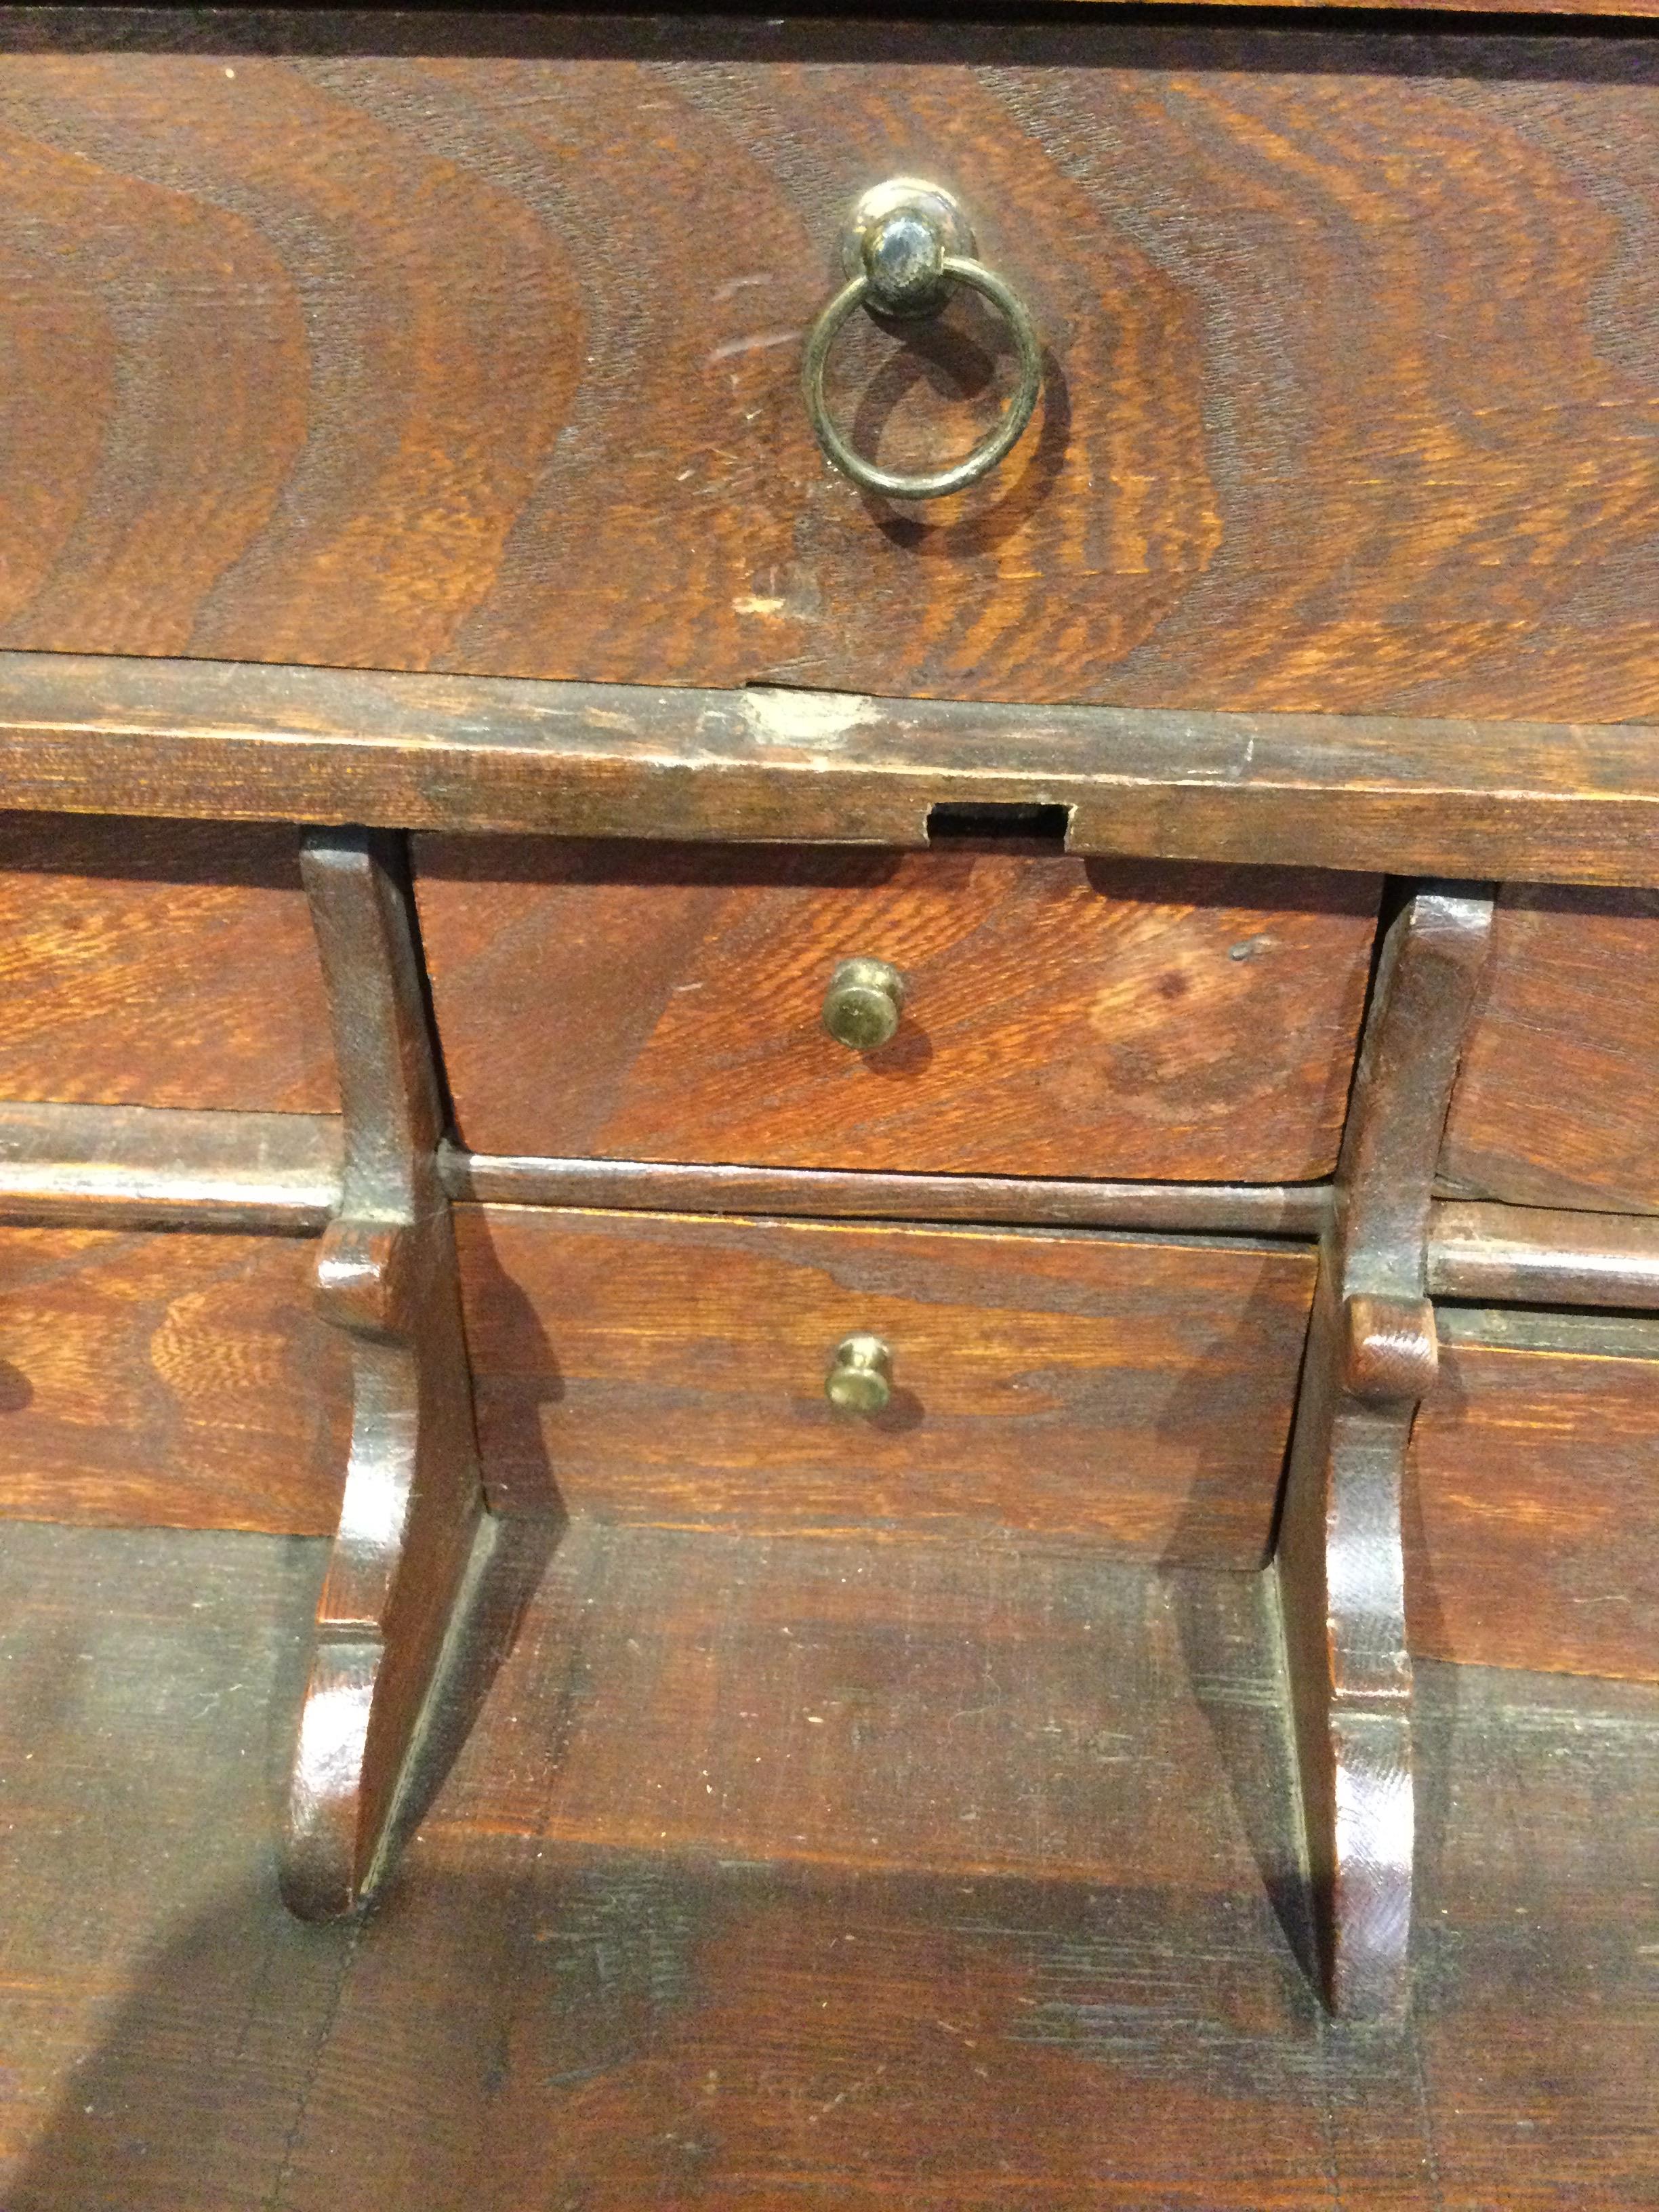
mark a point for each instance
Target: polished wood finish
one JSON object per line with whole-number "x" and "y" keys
{"x": 159, "y": 963}
{"x": 1525, "y": 1256}
{"x": 652, "y": 1187}
{"x": 385, "y": 1278}
{"x": 158, "y": 1168}
{"x": 1530, "y": 1328}
{"x": 1320, "y": 431}
{"x": 989, "y": 1923}
{"x": 178, "y": 1379}
{"x": 1061, "y": 1018}
{"x": 1553, "y": 1106}
{"x": 239, "y": 742}
{"x": 1533, "y": 1513}
{"x": 1372, "y": 1351}
{"x": 1066, "y": 1391}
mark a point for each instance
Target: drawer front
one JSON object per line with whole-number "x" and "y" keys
{"x": 1060, "y": 1017}
{"x": 1065, "y": 1391}
{"x": 159, "y": 963}
{"x": 1532, "y": 1513}
{"x": 492, "y": 364}
{"x": 1554, "y": 1104}
{"x": 182, "y": 1381}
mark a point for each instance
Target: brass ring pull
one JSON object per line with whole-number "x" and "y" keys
{"x": 913, "y": 244}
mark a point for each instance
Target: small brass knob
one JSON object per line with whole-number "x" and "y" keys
{"x": 860, "y": 1378}
{"x": 862, "y": 1006}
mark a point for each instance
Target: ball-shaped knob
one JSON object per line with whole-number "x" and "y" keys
{"x": 860, "y": 1378}
{"x": 862, "y": 1006}
{"x": 904, "y": 260}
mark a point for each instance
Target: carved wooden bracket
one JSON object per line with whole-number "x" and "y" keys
{"x": 387, "y": 1275}
{"x": 1372, "y": 1354}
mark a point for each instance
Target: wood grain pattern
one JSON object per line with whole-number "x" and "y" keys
{"x": 1339, "y": 1560}
{"x": 1072, "y": 1390}
{"x": 234, "y": 741}
{"x": 962, "y": 1904}
{"x": 885, "y": 1709}
{"x": 381, "y": 355}
{"x": 156, "y": 1167}
{"x": 1553, "y": 1106}
{"x": 1532, "y": 1514}
{"x": 1524, "y": 1255}
{"x": 159, "y": 963}
{"x": 1241, "y": 1209}
{"x": 174, "y": 1378}
{"x": 1061, "y": 1018}
{"x": 386, "y": 1278}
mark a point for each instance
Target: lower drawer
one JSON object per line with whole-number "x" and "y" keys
{"x": 1067, "y": 1389}
{"x": 174, "y": 1379}
{"x": 1532, "y": 1509}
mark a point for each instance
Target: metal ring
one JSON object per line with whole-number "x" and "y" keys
{"x": 990, "y": 450}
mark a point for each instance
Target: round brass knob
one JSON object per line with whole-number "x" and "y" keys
{"x": 860, "y": 1378}
{"x": 913, "y": 246}
{"x": 861, "y": 1007}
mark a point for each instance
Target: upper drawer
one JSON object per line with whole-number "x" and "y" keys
{"x": 159, "y": 964}
{"x": 1555, "y": 1097}
{"x": 493, "y": 364}
{"x": 1059, "y": 1017}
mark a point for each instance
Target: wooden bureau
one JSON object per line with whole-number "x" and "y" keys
{"x": 561, "y": 956}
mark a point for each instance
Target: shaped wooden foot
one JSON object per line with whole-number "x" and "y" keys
{"x": 1371, "y": 1355}
{"x": 387, "y": 1276}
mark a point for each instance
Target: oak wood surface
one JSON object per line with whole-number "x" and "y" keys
{"x": 1533, "y": 1513}
{"x": 649, "y": 1186}
{"x": 157, "y": 1167}
{"x": 386, "y": 1279}
{"x": 177, "y": 1378}
{"x": 239, "y": 742}
{"x": 1533, "y": 1256}
{"x": 488, "y": 360}
{"x": 963, "y": 1902}
{"x": 1082, "y": 1391}
{"x": 183, "y": 1380}
{"x": 159, "y": 963}
{"x": 1338, "y": 1561}
{"x": 1061, "y": 1018}
{"x": 1554, "y": 1104}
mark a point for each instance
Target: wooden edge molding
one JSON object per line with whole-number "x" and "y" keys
{"x": 1533, "y": 1256}
{"x": 153, "y": 1167}
{"x": 245, "y": 741}
{"x": 1221, "y": 1209}
{"x": 387, "y": 1276}
{"x": 1535, "y": 1328}
{"x": 1372, "y": 1351}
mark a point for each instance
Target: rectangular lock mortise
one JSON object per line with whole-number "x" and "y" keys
{"x": 1036, "y": 825}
